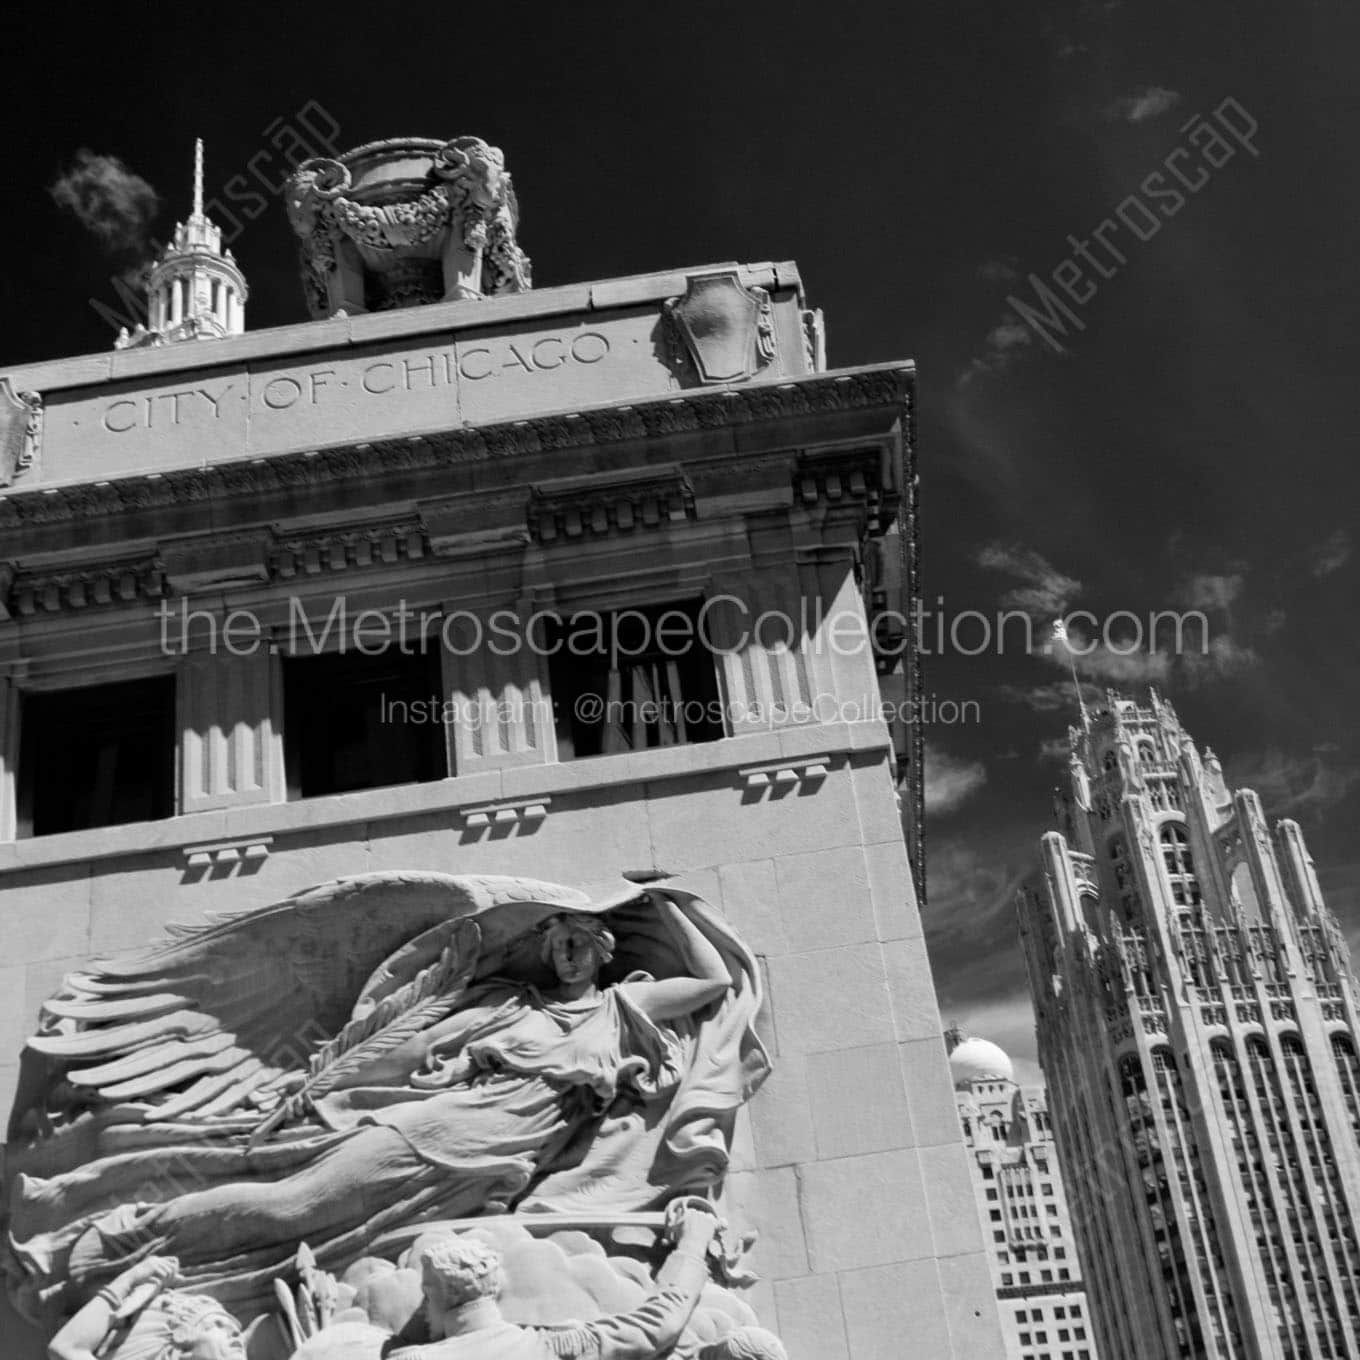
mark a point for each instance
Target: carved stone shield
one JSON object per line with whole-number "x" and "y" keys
{"x": 20, "y": 429}
{"x": 725, "y": 328}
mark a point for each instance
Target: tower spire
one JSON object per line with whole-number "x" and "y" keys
{"x": 198, "y": 177}
{"x": 195, "y": 290}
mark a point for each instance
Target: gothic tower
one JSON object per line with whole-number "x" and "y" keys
{"x": 1197, "y": 1019}
{"x": 195, "y": 290}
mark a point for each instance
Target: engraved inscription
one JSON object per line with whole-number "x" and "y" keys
{"x": 161, "y": 409}
{"x": 542, "y": 355}
{"x": 475, "y": 363}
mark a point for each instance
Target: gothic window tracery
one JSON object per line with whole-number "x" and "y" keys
{"x": 1180, "y": 865}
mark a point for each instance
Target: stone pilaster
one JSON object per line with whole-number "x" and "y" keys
{"x": 495, "y": 684}
{"x": 9, "y": 757}
{"x": 231, "y": 752}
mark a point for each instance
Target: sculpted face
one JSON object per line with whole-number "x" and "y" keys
{"x": 218, "y": 1337}
{"x": 575, "y": 956}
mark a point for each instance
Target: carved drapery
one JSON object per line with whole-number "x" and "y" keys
{"x": 228, "y": 1140}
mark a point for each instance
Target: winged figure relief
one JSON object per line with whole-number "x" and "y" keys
{"x": 382, "y": 1050}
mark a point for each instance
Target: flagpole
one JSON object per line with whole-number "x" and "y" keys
{"x": 1060, "y": 635}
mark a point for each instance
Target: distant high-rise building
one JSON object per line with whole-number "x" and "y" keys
{"x": 1019, "y": 1186}
{"x": 1197, "y": 1019}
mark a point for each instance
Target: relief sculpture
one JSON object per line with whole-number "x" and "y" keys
{"x": 366, "y": 1083}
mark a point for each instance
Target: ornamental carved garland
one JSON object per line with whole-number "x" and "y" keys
{"x": 474, "y": 196}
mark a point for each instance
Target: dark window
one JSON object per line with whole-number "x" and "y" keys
{"x": 1180, "y": 865}
{"x": 362, "y": 722}
{"x": 97, "y": 757}
{"x": 633, "y": 679}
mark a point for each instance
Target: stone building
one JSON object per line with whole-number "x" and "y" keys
{"x": 1197, "y": 1020}
{"x": 1045, "y": 1313}
{"x": 266, "y": 607}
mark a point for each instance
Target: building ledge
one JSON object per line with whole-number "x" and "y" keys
{"x": 700, "y": 413}
{"x": 578, "y": 299}
{"x": 524, "y": 785}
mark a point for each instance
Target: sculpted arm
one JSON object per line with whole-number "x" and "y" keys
{"x": 653, "y": 1328}
{"x": 84, "y": 1335}
{"x": 673, "y": 997}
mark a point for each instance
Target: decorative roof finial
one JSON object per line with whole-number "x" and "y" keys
{"x": 198, "y": 177}
{"x": 406, "y": 222}
{"x": 195, "y": 290}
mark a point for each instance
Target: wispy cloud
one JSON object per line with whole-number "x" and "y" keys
{"x": 972, "y": 934}
{"x": 1331, "y": 554}
{"x": 950, "y": 781}
{"x": 1210, "y": 590}
{"x": 1223, "y": 660}
{"x": 1057, "y": 696}
{"x": 1290, "y": 784}
{"x": 1042, "y": 591}
{"x": 1102, "y": 661}
{"x": 1005, "y": 343}
{"x": 1000, "y": 269}
{"x": 112, "y": 203}
{"x": 1142, "y": 105}
{"x": 1198, "y": 657}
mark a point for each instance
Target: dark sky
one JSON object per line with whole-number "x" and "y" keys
{"x": 1192, "y": 447}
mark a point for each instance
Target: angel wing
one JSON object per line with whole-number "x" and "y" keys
{"x": 214, "y": 1017}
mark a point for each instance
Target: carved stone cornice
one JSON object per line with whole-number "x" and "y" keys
{"x": 348, "y": 549}
{"x": 215, "y": 561}
{"x": 127, "y": 582}
{"x": 594, "y": 506}
{"x": 848, "y": 478}
{"x": 695, "y": 411}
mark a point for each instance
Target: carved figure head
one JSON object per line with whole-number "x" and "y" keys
{"x": 456, "y": 1270}
{"x": 576, "y": 946}
{"x": 746, "y": 1343}
{"x": 482, "y": 167}
{"x": 184, "y": 1327}
{"x": 313, "y": 183}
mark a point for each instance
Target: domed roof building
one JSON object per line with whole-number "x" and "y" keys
{"x": 1020, "y": 1194}
{"x": 973, "y": 1059}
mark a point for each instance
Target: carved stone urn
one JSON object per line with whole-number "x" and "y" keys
{"x": 405, "y": 222}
